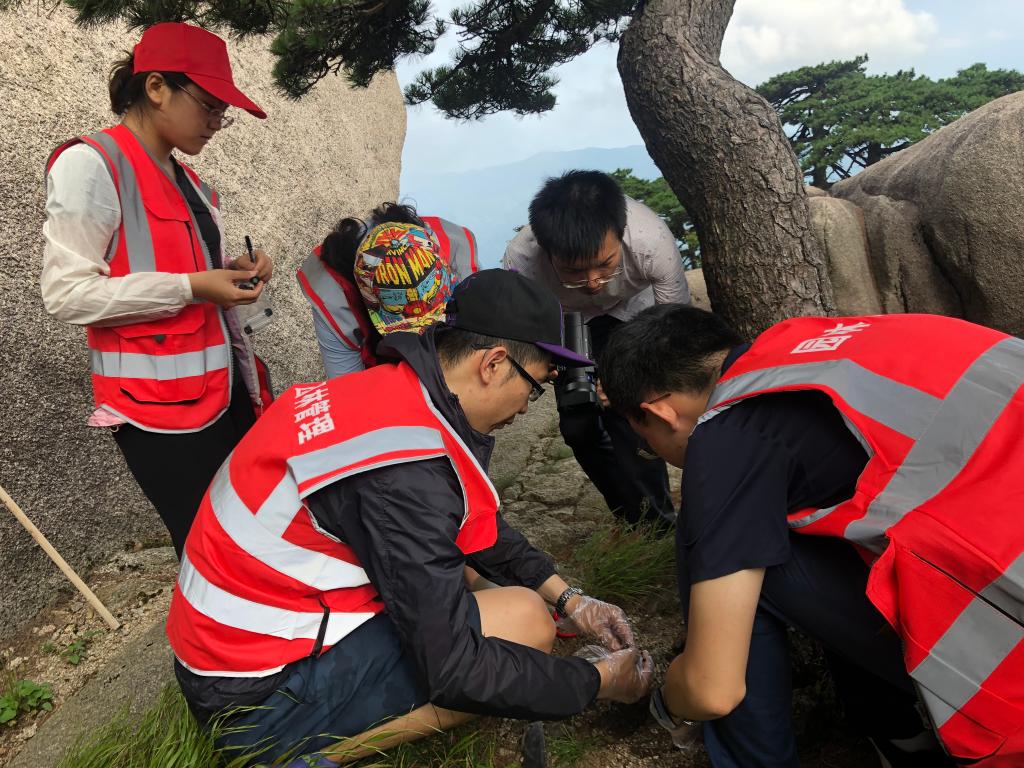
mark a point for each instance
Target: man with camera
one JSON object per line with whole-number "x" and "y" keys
{"x": 606, "y": 257}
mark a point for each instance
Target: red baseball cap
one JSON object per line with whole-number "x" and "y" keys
{"x": 174, "y": 47}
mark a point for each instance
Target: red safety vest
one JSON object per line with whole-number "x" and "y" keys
{"x": 170, "y": 375}
{"x": 938, "y": 511}
{"x": 261, "y": 585}
{"x": 337, "y": 299}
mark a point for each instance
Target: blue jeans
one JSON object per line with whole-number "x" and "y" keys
{"x": 819, "y": 591}
{"x": 364, "y": 680}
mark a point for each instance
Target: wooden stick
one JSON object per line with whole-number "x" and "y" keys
{"x": 60, "y": 561}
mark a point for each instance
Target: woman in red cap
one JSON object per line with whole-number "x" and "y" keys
{"x": 135, "y": 253}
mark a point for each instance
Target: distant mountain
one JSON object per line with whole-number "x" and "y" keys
{"x": 493, "y": 201}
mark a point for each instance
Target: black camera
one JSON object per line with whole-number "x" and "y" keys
{"x": 576, "y": 387}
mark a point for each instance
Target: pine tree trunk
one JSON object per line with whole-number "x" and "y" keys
{"x": 723, "y": 152}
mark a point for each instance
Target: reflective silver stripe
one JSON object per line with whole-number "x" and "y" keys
{"x": 813, "y": 517}
{"x": 1007, "y": 591}
{"x": 967, "y": 414}
{"x": 963, "y": 658}
{"x": 134, "y": 218}
{"x": 264, "y": 544}
{"x": 335, "y": 310}
{"x": 900, "y": 407}
{"x": 284, "y": 493}
{"x": 240, "y": 613}
{"x": 207, "y": 192}
{"x": 134, "y": 365}
{"x": 460, "y": 248}
{"x": 376, "y": 444}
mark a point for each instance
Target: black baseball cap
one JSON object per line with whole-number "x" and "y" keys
{"x": 507, "y": 305}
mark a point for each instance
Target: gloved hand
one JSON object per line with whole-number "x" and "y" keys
{"x": 686, "y": 734}
{"x": 603, "y": 621}
{"x": 626, "y": 675}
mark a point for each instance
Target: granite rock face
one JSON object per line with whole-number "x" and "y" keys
{"x": 284, "y": 181}
{"x": 839, "y": 225}
{"x": 943, "y": 219}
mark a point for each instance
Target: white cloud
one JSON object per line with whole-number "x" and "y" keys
{"x": 766, "y": 37}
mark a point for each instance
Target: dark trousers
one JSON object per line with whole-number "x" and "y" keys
{"x": 635, "y": 488}
{"x": 820, "y": 591}
{"x": 174, "y": 470}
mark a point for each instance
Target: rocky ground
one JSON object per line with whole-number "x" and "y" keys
{"x": 545, "y": 495}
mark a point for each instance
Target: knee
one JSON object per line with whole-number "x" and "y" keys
{"x": 529, "y": 619}
{"x": 537, "y": 616}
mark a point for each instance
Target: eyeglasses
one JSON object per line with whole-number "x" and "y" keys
{"x": 211, "y": 113}
{"x": 599, "y": 280}
{"x": 536, "y": 390}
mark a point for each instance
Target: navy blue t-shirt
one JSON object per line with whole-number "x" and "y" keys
{"x": 751, "y": 465}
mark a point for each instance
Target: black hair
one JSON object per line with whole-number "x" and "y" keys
{"x": 340, "y": 246}
{"x": 666, "y": 348}
{"x": 573, "y": 213}
{"x": 455, "y": 344}
{"x": 128, "y": 89}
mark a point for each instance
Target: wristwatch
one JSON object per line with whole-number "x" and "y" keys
{"x": 660, "y": 712}
{"x": 565, "y": 597}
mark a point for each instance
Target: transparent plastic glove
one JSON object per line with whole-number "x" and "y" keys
{"x": 629, "y": 672}
{"x": 603, "y": 621}
{"x": 686, "y": 734}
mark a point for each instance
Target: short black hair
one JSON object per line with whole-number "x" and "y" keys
{"x": 572, "y": 214}
{"x": 455, "y": 344}
{"x": 666, "y": 348}
{"x": 340, "y": 246}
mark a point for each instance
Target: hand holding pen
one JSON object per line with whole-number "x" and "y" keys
{"x": 255, "y": 259}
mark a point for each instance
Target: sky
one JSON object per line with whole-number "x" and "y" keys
{"x": 764, "y": 38}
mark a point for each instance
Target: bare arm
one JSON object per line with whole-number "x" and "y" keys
{"x": 708, "y": 680}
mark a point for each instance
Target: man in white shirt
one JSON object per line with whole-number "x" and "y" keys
{"x": 608, "y": 257}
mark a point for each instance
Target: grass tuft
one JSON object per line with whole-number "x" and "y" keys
{"x": 626, "y": 564}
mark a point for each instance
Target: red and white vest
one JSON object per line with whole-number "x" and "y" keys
{"x": 337, "y": 299}
{"x": 261, "y": 585}
{"x": 174, "y": 374}
{"x": 938, "y": 404}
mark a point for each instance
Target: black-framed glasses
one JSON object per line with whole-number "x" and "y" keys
{"x": 536, "y": 390}
{"x": 212, "y": 113}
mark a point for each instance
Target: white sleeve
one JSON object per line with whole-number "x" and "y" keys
{"x": 339, "y": 358}
{"x": 82, "y": 217}
{"x": 664, "y": 262}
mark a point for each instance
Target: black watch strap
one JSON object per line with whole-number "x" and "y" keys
{"x": 565, "y": 597}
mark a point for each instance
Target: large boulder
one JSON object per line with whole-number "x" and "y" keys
{"x": 284, "y": 181}
{"x": 943, "y": 219}
{"x": 839, "y": 225}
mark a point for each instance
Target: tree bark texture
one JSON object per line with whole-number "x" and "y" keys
{"x": 722, "y": 150}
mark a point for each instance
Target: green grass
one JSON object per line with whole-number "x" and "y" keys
{"x": 626, "y": 564}
{"x": 166, "y": 736}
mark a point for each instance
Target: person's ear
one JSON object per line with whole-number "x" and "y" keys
{"x": 157, "y": 89}
{"x": 490, "y": 364}
{"x": 663, "y": 410}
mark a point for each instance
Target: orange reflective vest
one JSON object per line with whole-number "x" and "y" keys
{"x": 174, "y": 374}
{"x": 261, "y": 585}
{"x": 337, "y": 299}
{"x": 938, "y": 511}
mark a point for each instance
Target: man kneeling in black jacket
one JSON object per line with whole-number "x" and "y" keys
{"x": 323, "y": 580}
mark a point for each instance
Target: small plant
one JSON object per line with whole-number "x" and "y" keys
{"x": 48, "y": 648}
{"x": 78, "y": 649}
{"x": 21, "y": 697}
{"x": 626, "y": 564}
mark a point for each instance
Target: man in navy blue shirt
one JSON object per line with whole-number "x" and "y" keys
{"x": 743, "y": 577}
